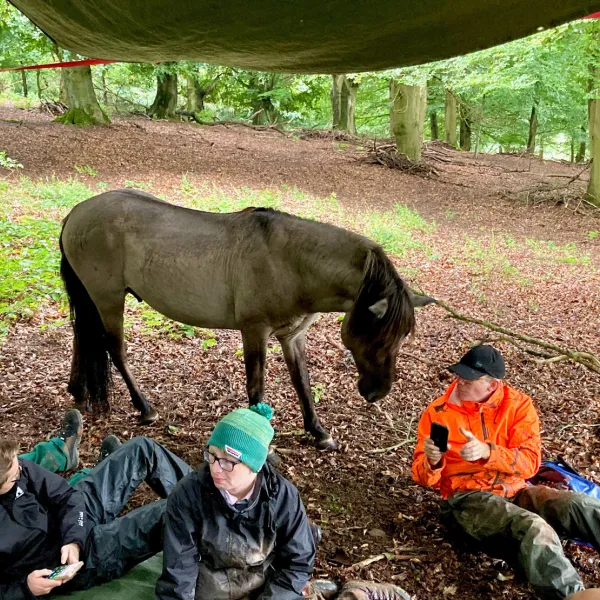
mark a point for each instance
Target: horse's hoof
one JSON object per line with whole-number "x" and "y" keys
{"x": 327, "y": 443}
{"x": 83, "y": 407}
{"x": 149, "y": 417}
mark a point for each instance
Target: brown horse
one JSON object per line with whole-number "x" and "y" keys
{"x": 261, "y": 271}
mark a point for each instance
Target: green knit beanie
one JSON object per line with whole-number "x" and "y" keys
{"x": 245, "y": 434}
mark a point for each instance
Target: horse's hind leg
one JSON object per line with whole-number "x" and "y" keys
{"x": 115, "y": 344}
{"x": 293, "y": 347}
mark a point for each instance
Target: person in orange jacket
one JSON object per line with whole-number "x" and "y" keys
{"x": 493, "y": 448}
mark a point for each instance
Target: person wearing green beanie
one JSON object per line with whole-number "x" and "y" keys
{"x": 236, "y": 529}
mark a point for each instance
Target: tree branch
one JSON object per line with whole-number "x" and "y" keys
{"x": 557, "y": 353}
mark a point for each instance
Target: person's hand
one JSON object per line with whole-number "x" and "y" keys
{"x": 432, "y": 452}
{"x": 39, "y": 584}
{"x": 69, "y": 554}
{"x": 474, "y": 449}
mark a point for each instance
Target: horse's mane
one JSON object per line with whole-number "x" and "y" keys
{"x": 380, "y": 280}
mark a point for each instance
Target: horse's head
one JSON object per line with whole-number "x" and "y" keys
{"x": 381, "y": 317}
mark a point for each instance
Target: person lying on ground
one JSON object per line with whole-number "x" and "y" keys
{"x": 235, "y": 528}
{"x": 45, "y": 522}
{"x": 493, "y": 448}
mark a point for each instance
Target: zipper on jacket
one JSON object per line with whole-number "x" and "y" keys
{"x": 483, "y": 427}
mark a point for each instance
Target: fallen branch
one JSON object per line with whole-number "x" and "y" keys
{"x": 587, "y": 359}
{"x": 368, "y": 561}
{"x": 391, "y": 448}
{"x": 386, "y": 556}
{"x": 427, "y": 361}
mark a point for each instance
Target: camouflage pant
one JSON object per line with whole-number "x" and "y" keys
{"x": 527, "y": 527}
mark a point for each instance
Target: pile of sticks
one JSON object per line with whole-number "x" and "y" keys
{"x": 387, "y": 156}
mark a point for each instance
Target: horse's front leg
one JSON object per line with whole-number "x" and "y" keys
{"x": 255, "y": 356}
{"x": 294, "y": 352}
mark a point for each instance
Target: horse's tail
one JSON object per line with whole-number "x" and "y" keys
{"x": 90, "y": 370}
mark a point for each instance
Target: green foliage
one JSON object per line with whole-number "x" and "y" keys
{"x": 9, "y": 163}
{"x": 398, "y": 231}
{"x": 28, "y": 266}
{"x": 217, "y": 200}
{"x": 318, "y": 391}
{"x": 86, "y": 170}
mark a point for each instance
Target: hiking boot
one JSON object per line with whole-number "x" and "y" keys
{"x": 366, "y": 590}
{"x": 109, "y": 444}
{"x": 70, "y": 433}
{"x": 320, "y": 589}
{"x": 317, "y": 533}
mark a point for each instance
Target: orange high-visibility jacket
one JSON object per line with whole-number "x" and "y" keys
{"x": 507, "y": 421}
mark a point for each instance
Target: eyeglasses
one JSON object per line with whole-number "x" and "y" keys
{"x": 224, "y": 463}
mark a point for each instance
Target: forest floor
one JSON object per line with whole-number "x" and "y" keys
{"x": 503, "y": 238}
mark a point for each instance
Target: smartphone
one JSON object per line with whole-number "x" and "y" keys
{"x": 439, "y": 435}
{"x": 65, "y": 572}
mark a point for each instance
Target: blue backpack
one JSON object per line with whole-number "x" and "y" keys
{"x": 561, "y": 475}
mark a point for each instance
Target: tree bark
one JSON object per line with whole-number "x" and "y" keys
{"x": 435, "y": 133}
{"x": 343, "y": 103}
{"x": 465, "y": 128}
{"x": 408, "y": 104}
{"x": 81, "y": 98}
{"x": 165, "y": 101}
{"x": 38, "y": 82}
{"x": 580, "y": 156}
{"x": 104, "y": 89}
{"x": 196, "y": 93}
{"x": 593, "y": 191}
{"x": 24, "y": 83}
{"x": 532, "y": 130}
{"x": 450, "y": 118}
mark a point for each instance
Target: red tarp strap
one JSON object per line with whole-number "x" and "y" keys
{"x": 62, "y": 65}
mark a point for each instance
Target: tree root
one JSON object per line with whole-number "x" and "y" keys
{"x": 550, "y": 353}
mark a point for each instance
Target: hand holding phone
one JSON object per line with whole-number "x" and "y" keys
{"x": 65, "y": 572}
{"x": 439, "y": 435}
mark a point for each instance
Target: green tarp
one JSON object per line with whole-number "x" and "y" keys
{"x": 303, "y": 36}
{"x": 138, "y": 584}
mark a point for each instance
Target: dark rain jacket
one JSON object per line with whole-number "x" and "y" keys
{"x": 38, "y": 516}
{"x": 214, "y": 552}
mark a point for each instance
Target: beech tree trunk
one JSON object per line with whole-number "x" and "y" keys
{"x": 466, "y": 128}
{"x": 450, "y": 118}
{"x": 343, "y": 103}
{"x": 408, "y": 104}
{"x": 81, "y": 98}
{"x": 433, "y": 121}
{"x": 532, "y": 130}
{"x": 165, "y": 101}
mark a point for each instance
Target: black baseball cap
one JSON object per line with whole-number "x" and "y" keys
{"x": 480, "y": 361}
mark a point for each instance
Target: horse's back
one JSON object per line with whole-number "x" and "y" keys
{"x": 236, "y": 266}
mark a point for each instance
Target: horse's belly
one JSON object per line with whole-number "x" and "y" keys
{"x": 184, "y": 306}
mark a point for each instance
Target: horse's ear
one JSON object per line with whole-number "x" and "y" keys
{"x": 379, "y": 308}
{"x": 420, "y": 300}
